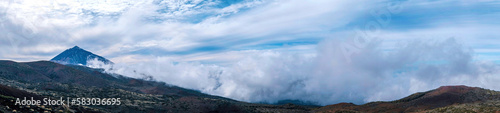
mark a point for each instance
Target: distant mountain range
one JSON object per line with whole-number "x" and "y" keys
{"x": 78, "y": 56}
{"x": 64, "y": 77}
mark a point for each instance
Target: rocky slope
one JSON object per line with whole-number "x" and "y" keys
{"x": 442, "y": 99}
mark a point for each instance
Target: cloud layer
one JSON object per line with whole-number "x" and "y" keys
{"x": 327, "y": 78}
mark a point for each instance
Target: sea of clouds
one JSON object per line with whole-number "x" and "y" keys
{"x": 327, "y": 78}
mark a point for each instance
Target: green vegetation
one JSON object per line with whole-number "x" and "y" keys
{"x": 6, "y": 97}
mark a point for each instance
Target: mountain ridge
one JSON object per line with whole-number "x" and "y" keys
{"x": 444, "y": 96}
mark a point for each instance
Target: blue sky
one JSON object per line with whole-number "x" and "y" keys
{"x": 287, "y": 42}
{"x": 125, "y": 28}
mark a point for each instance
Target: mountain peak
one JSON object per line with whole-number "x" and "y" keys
{"x": 76, "y": 47}
{"x": 78, "y": 56}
